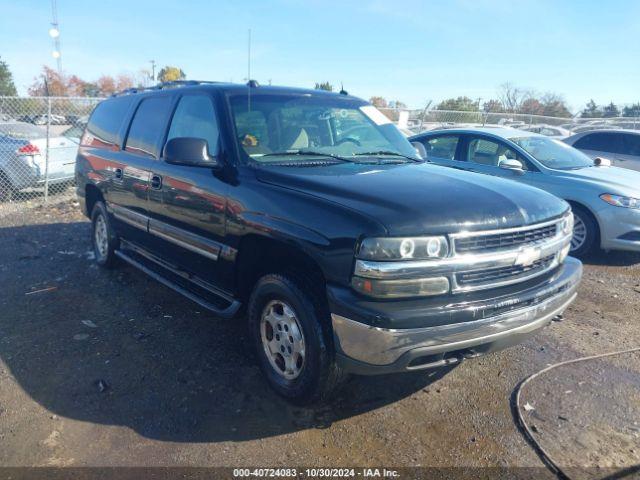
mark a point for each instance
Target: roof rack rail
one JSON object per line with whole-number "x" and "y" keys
{"x": 162, "y": 86}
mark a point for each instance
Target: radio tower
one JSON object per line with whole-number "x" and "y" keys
{"x": 54, "y": 33}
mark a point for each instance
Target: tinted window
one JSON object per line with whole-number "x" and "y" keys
{"x": 631, "y": 144}
{"x": 195, "y": 117}
{"x": 600, "y": 142}
{"x": 488, "y": 152}
{"x": 147, "y": 126}
{"x": 442, "y": 147}
{"x": 105, "y": 122}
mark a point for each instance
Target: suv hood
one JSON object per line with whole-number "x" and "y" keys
{"x": 610, "y": 179}
{"x": 415, "y": 199}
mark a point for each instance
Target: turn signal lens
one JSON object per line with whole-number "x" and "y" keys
{"x": 620, "y": 201}
{"x": 420, "y": 287}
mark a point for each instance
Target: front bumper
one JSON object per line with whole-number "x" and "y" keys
{"x": 616, "y": 223}
{"x": 367, "y": 349}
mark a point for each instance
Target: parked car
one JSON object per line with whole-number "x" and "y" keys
{"x": 75, "y": 131}
{"x": 23, "y": 158}
{"x": 348, "y": 255}
{"x": 622, "y": 147}
{"x": 605, "y": 200}
{"x": 547, "y": 130}
{"x": 55, "y": 120}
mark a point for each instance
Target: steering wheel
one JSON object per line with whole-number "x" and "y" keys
{"x": 349, "y": 139}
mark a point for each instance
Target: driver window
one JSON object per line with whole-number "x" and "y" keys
{"x": 488, "y": 152}
{"x": 195, "y": 117}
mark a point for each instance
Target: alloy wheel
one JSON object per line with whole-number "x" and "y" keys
{"x": 282, "y": 339}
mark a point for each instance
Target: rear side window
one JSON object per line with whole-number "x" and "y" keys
{"x": 195, "y": 117}
{"x": 105, "y": 122}
{"x": 147, "y": 126}
{"x": 631, "y": 144}
{"x": 442, "y": 147}
{"x": 600, "y": 142}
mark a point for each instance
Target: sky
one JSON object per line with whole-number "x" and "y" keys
{"x": 408, "y": 50}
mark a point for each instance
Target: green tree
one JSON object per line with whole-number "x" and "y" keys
{"x": 591, "y": 110}
{"x": 610, "y": 110}
{"x": 324, "y": 86}
{"x": 171, "y": 74}
{"x": 460, "y": 104}
{"x": 7, "y": 87}
{"x": 631, "y": 110}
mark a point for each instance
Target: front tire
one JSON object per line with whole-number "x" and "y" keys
{"x": 103, "y": 237}
{"x": 289, "y": 327}
{"x": 585, "y": 232}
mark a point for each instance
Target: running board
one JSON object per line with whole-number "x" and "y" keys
{"x": 228, "y": 312}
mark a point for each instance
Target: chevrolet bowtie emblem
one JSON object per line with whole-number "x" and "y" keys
{"x": 528, "y": 256}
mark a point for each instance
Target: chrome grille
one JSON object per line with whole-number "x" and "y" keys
{"x": 498, "y": 241}
{"x": 493, "y": 276}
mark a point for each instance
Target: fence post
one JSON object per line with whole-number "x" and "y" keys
{"x": 46, "y": 161}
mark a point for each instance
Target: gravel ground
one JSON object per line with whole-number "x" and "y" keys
{"x": 109, "y": 368}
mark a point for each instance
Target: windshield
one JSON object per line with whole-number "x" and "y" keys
{"x": 553, "y": 153}
{"x": 301, "y": 127}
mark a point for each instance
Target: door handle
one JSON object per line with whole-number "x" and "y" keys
{"x": 156, "y": 182}
{"x": 117, "y": 174}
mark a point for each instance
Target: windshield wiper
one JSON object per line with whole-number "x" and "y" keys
{"x": 302, "y": 152}
{"x": 386, "y": 152}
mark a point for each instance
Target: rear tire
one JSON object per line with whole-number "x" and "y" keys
{"x": 585, "y": 232}
{"x": 289, "y": 325}
{"x": 103, "y": 238}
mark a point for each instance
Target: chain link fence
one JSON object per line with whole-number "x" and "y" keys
{"x": 39, "y": 139}
{"x": 416, "y": 121}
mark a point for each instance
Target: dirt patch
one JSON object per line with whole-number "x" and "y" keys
{"x": 110, "y": 368}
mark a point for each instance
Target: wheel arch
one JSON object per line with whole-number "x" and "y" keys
{"x": 588, "y": 211}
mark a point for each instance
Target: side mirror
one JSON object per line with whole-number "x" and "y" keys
{"x": 420, "y": 150}
{"x": 601, "y": 162}
{"x": 189, "y": 151}
{"x": 511, "y": 164}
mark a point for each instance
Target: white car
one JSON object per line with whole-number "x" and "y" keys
{"x": 547, "y": 130}
{"x": 622, "y": 147}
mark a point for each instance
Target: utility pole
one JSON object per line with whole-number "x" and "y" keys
{"x": 153, "y": 70}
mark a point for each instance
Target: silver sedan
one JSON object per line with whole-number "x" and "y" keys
{"x": 605, "y": 200}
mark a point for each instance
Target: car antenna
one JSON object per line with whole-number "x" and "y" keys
{"x": 342, "y": 90}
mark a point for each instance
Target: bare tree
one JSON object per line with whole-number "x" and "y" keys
{"x": 512, "y": 97}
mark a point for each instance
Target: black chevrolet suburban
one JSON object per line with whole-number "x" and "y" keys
{"x": 309, "y": 214}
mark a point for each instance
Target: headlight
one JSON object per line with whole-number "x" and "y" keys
{"x": 567, "y": 224}
{"x": 415, "y": 248}
{"x": 419, "y": 287}
{"x": 620, "y": 201}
